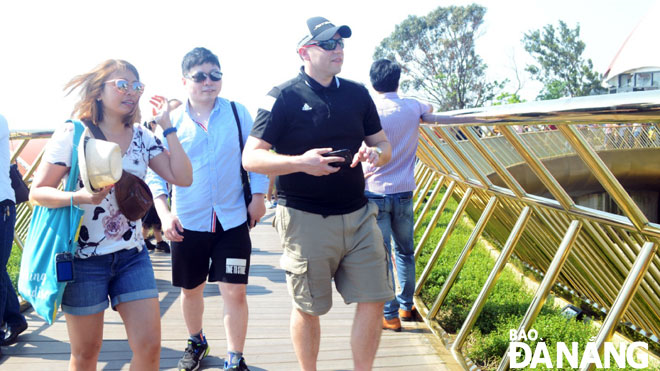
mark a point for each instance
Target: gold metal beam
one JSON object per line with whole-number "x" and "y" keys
{"x": 429, "y": 203}
{"x": 537, "y": 167}
{"x": 434, "y": 218}
{"x": 425, "y": 191}
{"x": 605, "y": 177}
{"x": 625, "y": 296}
{"x": 472, "y": 241}
{"x": 443, "y": 240}
{"x": 507, "y": 250}
{"x": 546, "y": 285}
{"x": 451, "y": 142}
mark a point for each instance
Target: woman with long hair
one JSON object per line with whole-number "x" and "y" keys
{"x": 111, "y": 265}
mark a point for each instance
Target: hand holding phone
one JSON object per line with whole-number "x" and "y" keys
{"x": 344, "y": 153}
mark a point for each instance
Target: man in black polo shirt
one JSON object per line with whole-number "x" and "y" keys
{"x": 327, "y": 227}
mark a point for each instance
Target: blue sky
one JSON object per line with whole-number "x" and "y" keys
{"x": 45, "y": 43}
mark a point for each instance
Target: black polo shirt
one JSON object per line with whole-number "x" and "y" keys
{"x": 306, "y": 115}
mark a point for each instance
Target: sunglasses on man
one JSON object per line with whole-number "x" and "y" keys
{"x": 329, "y": 44}
{"x": 123, "y": 86}
{"x": 200, "y": 76}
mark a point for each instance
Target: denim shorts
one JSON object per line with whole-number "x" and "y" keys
{"x": 122, "y": 276}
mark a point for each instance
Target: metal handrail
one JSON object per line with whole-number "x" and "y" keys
{"x": 498, "y": 155}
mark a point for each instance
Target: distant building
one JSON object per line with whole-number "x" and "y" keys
{"x": 636, "y": 67}
{"x": 640, "y": 79}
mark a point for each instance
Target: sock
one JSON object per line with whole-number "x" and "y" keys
{"x": 199, "y": 338}
{"x": 233, "y": 358}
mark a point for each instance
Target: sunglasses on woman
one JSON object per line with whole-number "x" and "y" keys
{"x": 329, "y": 44}
{"x": 200, "y": 76}
{"x": 123, "y": 86}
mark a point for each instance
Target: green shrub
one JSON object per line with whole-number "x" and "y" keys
{"x": 14, "y": 264}
{"x": 551, "y": 327}
{"x": 505, "y": 306}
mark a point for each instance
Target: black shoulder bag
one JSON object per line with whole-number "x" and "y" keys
{"x": 247, "y": 191}
{"x": 21, "y": 190}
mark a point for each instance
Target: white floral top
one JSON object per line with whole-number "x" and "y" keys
{"x": 104, "y": 228}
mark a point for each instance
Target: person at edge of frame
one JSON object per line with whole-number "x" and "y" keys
{"x": 10, "y": 313}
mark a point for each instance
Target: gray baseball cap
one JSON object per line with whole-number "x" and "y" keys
{"x": 320, "y": 29}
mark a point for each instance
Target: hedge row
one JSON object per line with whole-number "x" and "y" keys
{"x": 505, "y": 306}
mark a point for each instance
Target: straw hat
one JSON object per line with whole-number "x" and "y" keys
{"x": 99, "y": 161}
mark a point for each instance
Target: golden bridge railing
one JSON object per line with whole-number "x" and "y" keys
{"x": 20, "y": 140}
{"x": 488, "y": 158}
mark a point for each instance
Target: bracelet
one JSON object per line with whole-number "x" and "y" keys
{"x": 168, "y": 131}
{"x": 378, "y": 150}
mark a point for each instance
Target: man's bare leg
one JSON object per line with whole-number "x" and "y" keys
{"x": 306, "y": 337}
{"x": 192, "y": 306}
{"x": 236, "y": 314}
{"x": 365, "y": 335}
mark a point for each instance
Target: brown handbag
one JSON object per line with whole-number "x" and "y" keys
{"x": 133, "y": 195}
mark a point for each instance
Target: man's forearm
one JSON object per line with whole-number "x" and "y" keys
{"x": 266, "y": 162}
{"x": 161, "y": 205}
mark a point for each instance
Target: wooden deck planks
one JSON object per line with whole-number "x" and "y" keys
{"x": 268, "y": 345}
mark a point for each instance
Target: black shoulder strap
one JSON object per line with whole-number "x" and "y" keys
{"x": 238, "y": 124}
{"x": 244, "y": 176}
{"x": 96, "y": 131}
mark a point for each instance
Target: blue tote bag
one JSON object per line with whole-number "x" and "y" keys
{"x": 52, "y": 231}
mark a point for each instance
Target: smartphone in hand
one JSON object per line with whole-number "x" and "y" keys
{"x": 344, "y": 153}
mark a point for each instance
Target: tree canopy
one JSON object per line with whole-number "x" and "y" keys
{"x": 438, "y": 58}
{"x": 560, "y": 65}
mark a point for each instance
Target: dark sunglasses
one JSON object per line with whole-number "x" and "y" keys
{"x": 329, "y": 44}
{"x": 201, "y": 76}
{"x": 123, "y": 86}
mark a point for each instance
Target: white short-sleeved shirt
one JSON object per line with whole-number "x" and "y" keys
{"x": 6, "y": 191}
{"x": 104, "y": 228}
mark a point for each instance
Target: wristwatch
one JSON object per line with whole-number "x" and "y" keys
{"x": 378, "y": 150}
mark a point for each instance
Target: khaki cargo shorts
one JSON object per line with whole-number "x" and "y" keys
{"x": 348, "y": 248}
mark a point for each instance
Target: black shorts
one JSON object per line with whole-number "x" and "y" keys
{"x": 228, "y": 253}
{"x": 151, "y": 219}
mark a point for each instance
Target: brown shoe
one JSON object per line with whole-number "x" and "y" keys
{"x": 393, "y": 324}
{"x": 408, "y": 315}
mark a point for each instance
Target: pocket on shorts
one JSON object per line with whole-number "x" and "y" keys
{"x": 281, "y": 220}
{"x": 296, "y": 278}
